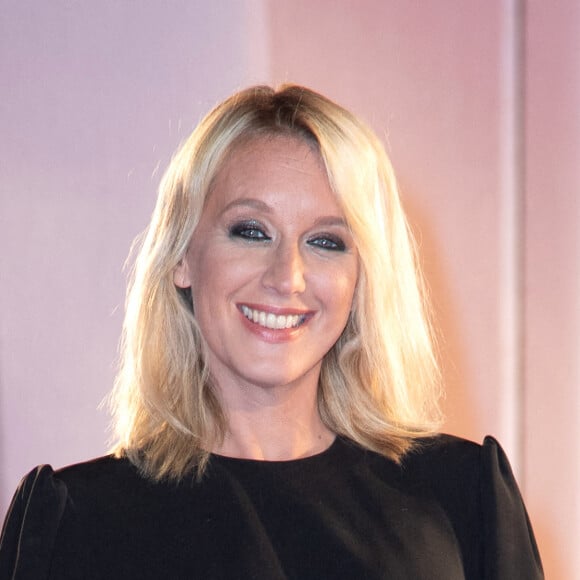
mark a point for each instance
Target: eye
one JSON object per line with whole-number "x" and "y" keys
{"x": 249, "y": 230}
{"x": 328, "y": 242}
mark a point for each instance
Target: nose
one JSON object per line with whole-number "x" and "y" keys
{"x": 285, "y": 271}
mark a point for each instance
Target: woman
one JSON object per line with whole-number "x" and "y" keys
{"x": 276, "y": 407}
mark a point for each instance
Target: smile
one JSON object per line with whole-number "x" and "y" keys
{"x": 271, "y": 320}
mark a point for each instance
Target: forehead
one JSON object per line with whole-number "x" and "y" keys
{"x": 274, "y": 169}
{"x": 264, "y": 155}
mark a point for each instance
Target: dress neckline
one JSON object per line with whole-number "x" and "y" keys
{"x": 267, "y": 463}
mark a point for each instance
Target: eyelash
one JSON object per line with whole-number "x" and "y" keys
{"x": 253, "y": 231}
{"x": 328, "y": 242}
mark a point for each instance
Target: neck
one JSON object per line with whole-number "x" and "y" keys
{"x": 274, "y": 424}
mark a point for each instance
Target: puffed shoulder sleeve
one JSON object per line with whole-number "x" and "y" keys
{"x": 31, "y": 526}
{"x": 510, "y": 547}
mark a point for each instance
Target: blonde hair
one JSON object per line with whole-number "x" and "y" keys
{"x": 379, "y": 384}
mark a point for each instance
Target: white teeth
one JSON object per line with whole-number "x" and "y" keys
{"x": 270, "y": 320}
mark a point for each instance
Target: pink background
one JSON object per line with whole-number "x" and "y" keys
{"x": 478, "y": 103}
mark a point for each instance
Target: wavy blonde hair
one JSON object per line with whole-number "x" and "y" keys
{"x": 379, "y": 384}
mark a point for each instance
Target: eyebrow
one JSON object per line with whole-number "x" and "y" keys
{"x": 258, "y": 204}
{"x": 331, "y": 221}
{"x": 248, "y": 202}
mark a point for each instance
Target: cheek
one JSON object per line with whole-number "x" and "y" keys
{"x": 345, "y": 296}
{"x": 217, "y": 273}
{"x": 205, "y": 280}
{"x": 337, "y": 289}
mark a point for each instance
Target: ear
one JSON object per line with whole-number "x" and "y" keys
{"x": 181, "y": 277}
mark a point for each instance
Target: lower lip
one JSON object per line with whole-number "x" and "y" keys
{"x": 274, "y": 334}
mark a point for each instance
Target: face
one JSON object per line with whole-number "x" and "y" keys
{"x": 272, "y": 266}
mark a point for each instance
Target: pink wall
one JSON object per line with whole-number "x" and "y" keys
{"x": 97, "y": 96}
{"x": 553, "y": 280}
{"x": 430, "y": 85}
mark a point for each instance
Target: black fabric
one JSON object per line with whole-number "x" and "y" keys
{"x": 452, "y": 510}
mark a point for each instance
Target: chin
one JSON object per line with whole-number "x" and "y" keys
{"x": 269, "y": 379}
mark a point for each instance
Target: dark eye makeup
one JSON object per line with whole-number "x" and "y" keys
{"x": 249, "y": 230}
{"x": 328, "y": 242}
{"x": 254, "y": 231}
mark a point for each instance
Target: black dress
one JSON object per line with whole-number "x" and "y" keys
{"x": 452, "y": 510}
